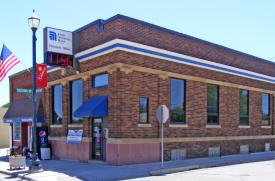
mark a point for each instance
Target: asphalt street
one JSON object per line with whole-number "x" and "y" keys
{"x": 71, "y": 170}
{"x": 256, "y": 171}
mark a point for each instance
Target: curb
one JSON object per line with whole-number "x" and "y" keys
{"x": 8, "y": 173}
{"x": 234, "y": 162}
{"x": 19, "y": 175}
{"x": 16, "y": 175}
{"x": 208, "y": 165}
{"x": 224, "y": 161}
{"x": 173, "y": 170}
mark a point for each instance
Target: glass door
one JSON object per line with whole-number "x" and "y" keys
{"x": 97, "y": 139}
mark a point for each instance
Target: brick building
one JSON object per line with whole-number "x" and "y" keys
{"x": 221, "y": 101}
{"x": 19, "y": 114}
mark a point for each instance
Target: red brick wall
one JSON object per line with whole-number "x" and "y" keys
{"x": 200, "y": 149}
{"x": 145, "y": 34}
{"x": 21, "y": 80}
{"x": 124, "y": 89}
{"x": 136, "y": 84}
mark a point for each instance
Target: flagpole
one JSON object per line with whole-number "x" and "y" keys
{"x": 28, "y": 69}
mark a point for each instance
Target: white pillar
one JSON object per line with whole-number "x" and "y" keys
{"x": 10, "y": 135}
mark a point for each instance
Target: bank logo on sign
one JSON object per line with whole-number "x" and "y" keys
{"x": 52, "y": 35}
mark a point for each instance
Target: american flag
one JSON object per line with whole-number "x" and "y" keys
{"x": 7, "y": 61}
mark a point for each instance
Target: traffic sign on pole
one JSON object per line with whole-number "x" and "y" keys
{"x": 162, "y": 117}
{"x": 162, "y": 113}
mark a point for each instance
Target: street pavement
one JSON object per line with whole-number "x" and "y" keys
{"x": 256, "y": 171}
{"x": 73, "y": 171}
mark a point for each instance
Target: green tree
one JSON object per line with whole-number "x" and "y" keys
{"x": 6, "y": 105}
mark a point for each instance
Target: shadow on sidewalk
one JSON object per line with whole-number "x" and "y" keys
{"x": 4, "y": 158}
{"x": 94, "y": 172}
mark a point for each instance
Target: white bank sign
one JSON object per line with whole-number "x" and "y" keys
{"x": 59, "y": 41}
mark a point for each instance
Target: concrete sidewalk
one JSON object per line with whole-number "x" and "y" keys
{"x": 73, "y": 170}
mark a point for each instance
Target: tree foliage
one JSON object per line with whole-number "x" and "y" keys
{"x": 6, "y": 105}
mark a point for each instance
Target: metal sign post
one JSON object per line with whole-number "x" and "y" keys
{"x": 162, "y": 117}
{"x": 161, "y": 145}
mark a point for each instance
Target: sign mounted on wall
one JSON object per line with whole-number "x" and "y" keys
{"x": 58, "y": 41}
{"x": 58, "y": 47}
{"x": 56, "y": 59}
{"x": 74, "y": 136}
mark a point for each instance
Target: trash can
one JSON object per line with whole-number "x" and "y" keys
{"x": 45, "y": 152}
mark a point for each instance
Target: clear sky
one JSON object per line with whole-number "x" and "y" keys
{"x": 246, "y": 25}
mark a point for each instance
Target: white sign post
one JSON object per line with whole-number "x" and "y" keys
{"x": 162, "y": 117}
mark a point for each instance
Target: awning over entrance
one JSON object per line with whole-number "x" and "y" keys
{"x": 94, "y": 106}
{"x": 21, "y": 111}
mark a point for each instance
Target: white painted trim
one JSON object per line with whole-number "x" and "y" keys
{"x": 54, "y": 69}
{"x": 10, "y": 135}
{"x": 30, "y": 137}
{"x": 191, "y": 58}
{"x": 13, "y": 125}
{"x": 125, "y": 42}
{"x": 104, "y": 45}
{"x": 100, "y": 54}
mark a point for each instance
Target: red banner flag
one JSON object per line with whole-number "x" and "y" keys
{"x": 41, "y": 75}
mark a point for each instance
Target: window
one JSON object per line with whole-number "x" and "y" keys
{"x": 16, "y": 131}
{"x": 212, "y": 104}
{"x": 57, "y": 104}
{"x": 143, "y": 109}
{"x": 100, "y": 80}
{"x": 76, "y": 99}
{"x": 244, "y": 107}
{"x": 265, "y": 109}
{"x": 177, "y": 100}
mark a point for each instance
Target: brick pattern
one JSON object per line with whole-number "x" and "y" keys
{"x": 16, "y": 82}
{"x": 200, "y": 149}
{"x": 125, "y": 88}
{"x": 137, "y": 32}
{"x": 149, "y": 62}
{"x": 23, "y": 80}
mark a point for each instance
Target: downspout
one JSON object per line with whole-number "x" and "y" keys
{"x": 273, "y": 114}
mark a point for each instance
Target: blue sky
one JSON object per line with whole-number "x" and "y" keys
{"x": 247, "y": 25}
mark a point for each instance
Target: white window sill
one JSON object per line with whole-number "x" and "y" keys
{"x": 144, "y": 125}
{"x": 178, "y": 125}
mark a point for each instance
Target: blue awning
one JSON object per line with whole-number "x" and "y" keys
{"x": 23, "y": 120}
{"x": 21, "y": 111}
{"x": 94, "y": 106}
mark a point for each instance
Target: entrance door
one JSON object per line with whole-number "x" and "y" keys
{"x": 97, "y": 139}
